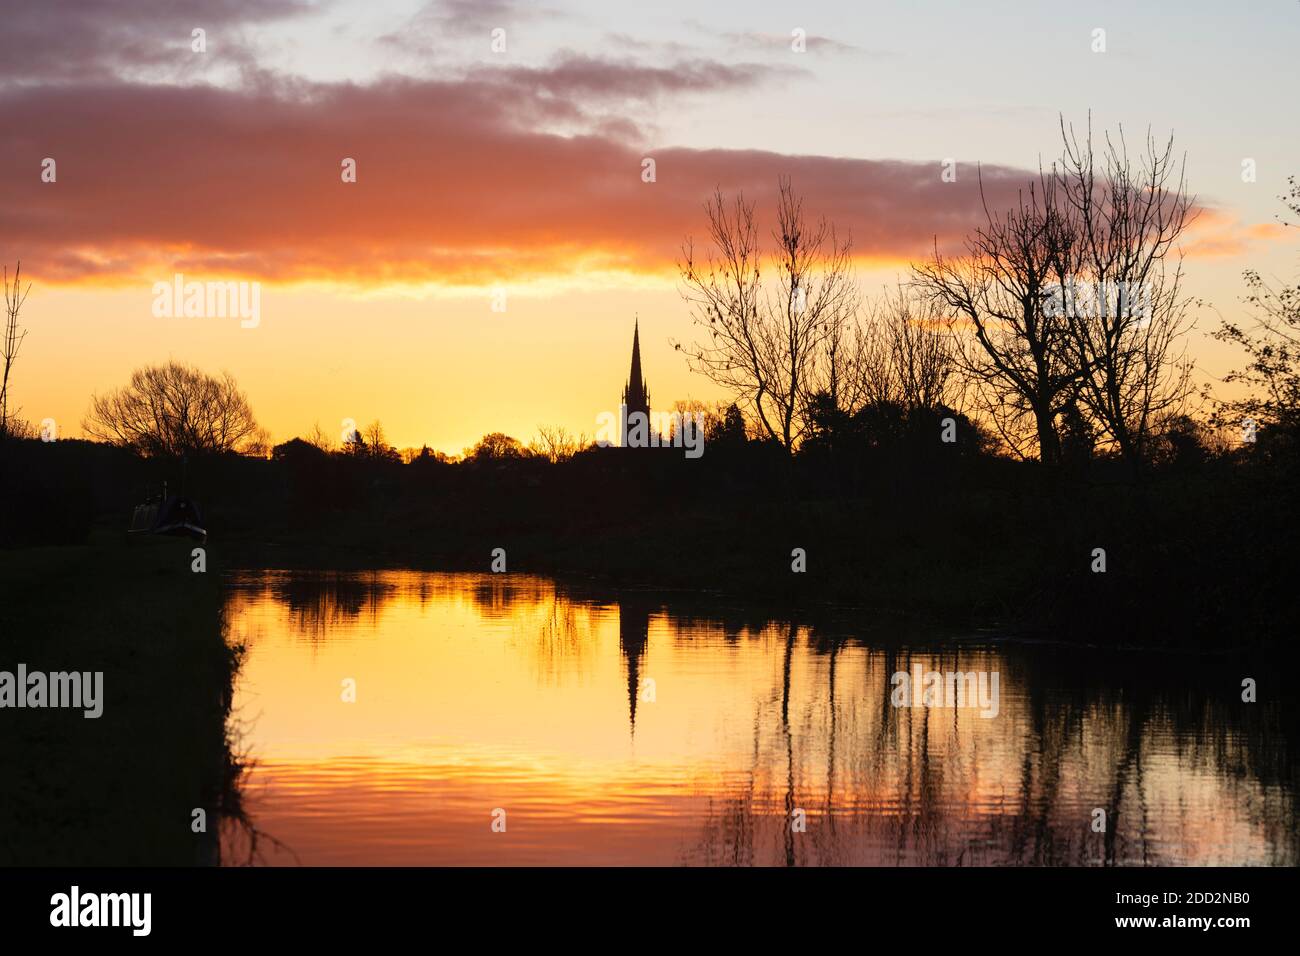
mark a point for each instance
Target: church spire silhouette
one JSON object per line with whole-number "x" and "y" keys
{"x": 636, "y": 394}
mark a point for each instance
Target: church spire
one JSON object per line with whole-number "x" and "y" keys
{"x": 636, "y": 397}
{"x": 635, "y": 384}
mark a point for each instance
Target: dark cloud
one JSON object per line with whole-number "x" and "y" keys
{"x": 586, "y": 78}
{"x": 88, "y": 40}
{"x": 440, "y": 20}
{"x": 502, "y": 172}
{"x": 455, "y": 183}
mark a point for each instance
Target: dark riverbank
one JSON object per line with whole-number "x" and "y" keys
{"x": 1196, "y": 554}
{"x": 120, "y": 789}
{"x": 1190, "y": 560}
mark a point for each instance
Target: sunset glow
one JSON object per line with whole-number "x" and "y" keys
{"x": 520, "y": 171}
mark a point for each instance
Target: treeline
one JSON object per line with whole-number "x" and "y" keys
{"x": 892, "y": 519}
{"x": 1062, "y": 328}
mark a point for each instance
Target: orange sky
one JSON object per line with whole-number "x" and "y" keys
{"x": 474, "y": 173}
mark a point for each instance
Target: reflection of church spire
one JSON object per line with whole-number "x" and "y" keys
{"x": 633, "y": 635}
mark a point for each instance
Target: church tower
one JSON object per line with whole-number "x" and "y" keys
{"x": 636, "y": 396}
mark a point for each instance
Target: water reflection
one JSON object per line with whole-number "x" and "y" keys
{"x": 633, "y": 636}
{"x": 625, "y": 728}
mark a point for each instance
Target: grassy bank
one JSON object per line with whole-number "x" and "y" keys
{"x": 119, "y": 789}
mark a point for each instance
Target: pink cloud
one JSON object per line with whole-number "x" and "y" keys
{"x": 455, "y": 181}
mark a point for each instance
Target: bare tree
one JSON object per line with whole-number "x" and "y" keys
{"x": 1272, "y": 345}
{"x": 11, "y": 341}
{"x": 376, "y": 442}
{"x": 556, "y": 443}
{"x": 372, "y": 442}
{"x": 766, "y": 342}
{"x": 173, "y": 410}
{"x": 258, "y": 444}
{"x": 1012, "y": 347}
{"x": 867, "y": 362}
{"x": 913, "y": 364}
{"x": 317, "y": 438}
{"x": 1128, "y": 330}
{"x": 845, "y": 370}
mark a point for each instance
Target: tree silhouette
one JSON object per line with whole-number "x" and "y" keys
{"x": 495, "y": 447}
{"x": 766, "y": 343}
{"x": 173, "y": 410}
{"x": 1013, "y": 348}
{"x": 1272, "y": 345}
{"x": 376, "y": 443}
{"x": 1125, "y": 219}
{"x": 556, "y": 443}
{"x": 11, "y": 340}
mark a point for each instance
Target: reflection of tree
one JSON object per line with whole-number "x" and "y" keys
{"x": 335, "y": 599}
{"x": 559, "y": 636}
{"x": 1183, "y": 776}
{"x": 316, "y": 601}
{"x": 930, "y": 786}
{"x": 789, "y": 746}
{"x": 497, "y": 596}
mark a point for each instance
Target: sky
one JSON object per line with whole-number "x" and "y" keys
{"x": 514, "y": 178}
